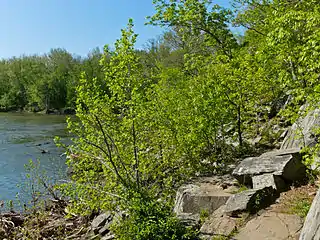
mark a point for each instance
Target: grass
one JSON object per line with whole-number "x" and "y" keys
{"x": 301, "y": 207}
{"x": 296, "y": 201}
{"x": 240, "y": 189}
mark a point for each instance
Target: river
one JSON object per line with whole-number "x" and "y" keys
{"x": 24, "y": 137}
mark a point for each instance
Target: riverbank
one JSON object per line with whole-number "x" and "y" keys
{"x": 42, "y": 112}
{"x": 49, "y": 222}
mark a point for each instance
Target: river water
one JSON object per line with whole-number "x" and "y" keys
{"x": 24, "y": 137}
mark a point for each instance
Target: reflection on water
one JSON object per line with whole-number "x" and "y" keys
{"x": 24, "y": 137}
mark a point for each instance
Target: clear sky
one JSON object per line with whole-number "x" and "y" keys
{"x": 36, "y": 26}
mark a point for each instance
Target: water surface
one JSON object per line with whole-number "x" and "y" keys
{"x": 24, "y": 137}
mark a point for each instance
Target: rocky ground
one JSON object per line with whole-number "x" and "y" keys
{"x": 265, "y": 197}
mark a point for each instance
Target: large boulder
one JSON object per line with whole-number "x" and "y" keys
{"x": 311, "y": 228}
{"x": 272, "y": 226}
{"x": 250, "y": 200}
{"x": 191, "y": 199}
{"x": 285, "y": 163}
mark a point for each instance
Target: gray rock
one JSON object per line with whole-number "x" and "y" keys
{"x": 222, "y": 181}
{"x": 108, "y": 237}
{"x": 192, "y": 198}
{"x": 285, "y": 163}
{"x": 311, "y": 227}
{"x": 301, "y": 132}
{"x": 250, "y": 200}
{"x": 272, "y": 226}
{"x": 106, "y": 229}
{"x": 268, "y": 180}
{"x": 218, "y": 224}
{"x": 189, "y": 219}
{"x": 99, "y": 221}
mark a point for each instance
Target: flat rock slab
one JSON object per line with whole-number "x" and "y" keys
{"x": 285, "y": 163}
{"x": 311, "y": 227}
{"x": 218, "y": 224}
{"x": 250, "y": 200}
{"x": 192, "y": 199}
{"x": 272, "y": 226}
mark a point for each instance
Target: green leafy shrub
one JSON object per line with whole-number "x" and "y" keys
{"x": 36, "y": 187}
{"x": 150, "y": 219}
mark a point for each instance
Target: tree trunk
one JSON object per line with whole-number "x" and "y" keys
{"x": 239, "y": 127}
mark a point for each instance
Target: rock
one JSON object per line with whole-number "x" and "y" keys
{"x": 301, "y": 132}
{"x": 285, "y": 163}
{"x": 311, "y": 228}
{"x": 218, "y": 224}
{"x": 272, "y": 226}
{"x": 70, "y": 171}
{"x": 108, "y": 237}
{"x": 250, "y": 200}
{"x": 99, "y": 221}
{"x": 223, "y": 181}
{"x": 268, "y": 180}
{"x": 69, "y": 111}
{"x": 189, "y": 219}
{"x": 106, "y": 229}
{"x": 192, "y": 198}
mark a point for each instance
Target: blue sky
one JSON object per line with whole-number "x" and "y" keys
{"x": 36, "y": 26}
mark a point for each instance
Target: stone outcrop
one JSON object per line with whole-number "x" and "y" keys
{"x": 284, "y": 163}
{"x": 301, "y": 133}
{"x": 266, "y": 177}
{"x": 194, "y": 198}
{"x": 207, "y": 194}
{"x": 311, "y": 228}
{"x": 272, "y": 226}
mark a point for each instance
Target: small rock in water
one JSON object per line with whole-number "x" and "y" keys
{"x": 43, "y": 151}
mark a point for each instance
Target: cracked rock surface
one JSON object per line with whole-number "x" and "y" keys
{"x": 272, "y": 226}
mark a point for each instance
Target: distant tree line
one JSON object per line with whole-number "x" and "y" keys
{"x": 46, "y": 82}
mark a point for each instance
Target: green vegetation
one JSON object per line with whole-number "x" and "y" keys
{"x": 301, "y": 207}
{"x": 155, "y": 122}
{"x": 297, "y": 200}
{"x": 148, "y": 120}
{"x": 36, "y": 83}
{"x": 241, "y": 188}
